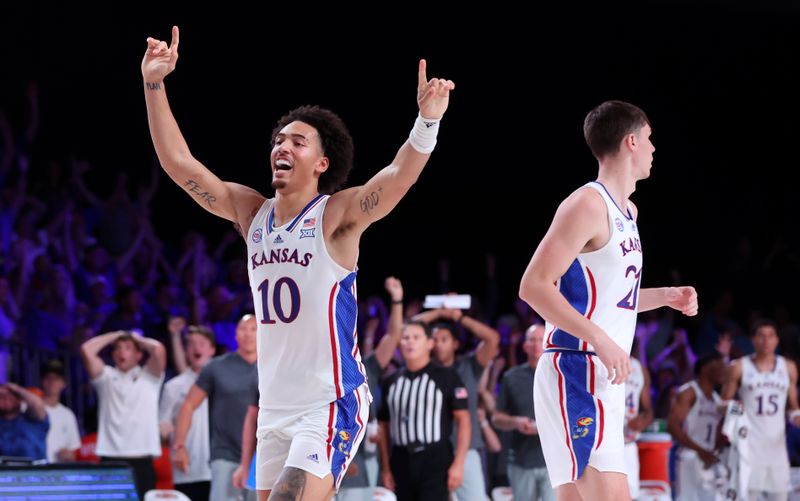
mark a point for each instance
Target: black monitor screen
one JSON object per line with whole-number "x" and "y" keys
{"x": 57, "y": 482}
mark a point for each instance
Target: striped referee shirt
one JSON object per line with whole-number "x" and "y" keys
{"x": 419, "y": 405}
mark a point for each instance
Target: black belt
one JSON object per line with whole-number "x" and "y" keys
{"x": 567, "y": 350}
{"x": 416, "y": 447}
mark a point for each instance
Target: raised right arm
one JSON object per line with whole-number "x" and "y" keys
{"x": 234, "y": 202}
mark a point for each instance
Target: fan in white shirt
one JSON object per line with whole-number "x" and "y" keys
{"x": 63, "y": 437}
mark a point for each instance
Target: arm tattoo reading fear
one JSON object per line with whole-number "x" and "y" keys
{"x": 192, "y": 187}
{"x": 153, "y": 86}
{"x": 371, "y": 201}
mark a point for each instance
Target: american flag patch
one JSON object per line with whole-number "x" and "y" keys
{"x": 309, "y": 222}
{"x": 461, "y": 393}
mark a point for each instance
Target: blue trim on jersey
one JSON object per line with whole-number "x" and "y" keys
{"x": 303, "y": 212}
{"x": 346, "y": 314}
{"x": 581, "y": 411}
{"x": 346, "y": 431}
{"x": 628, "y": 214}
{"x": 574, "y": 288}
{"x": 271, "y": 216}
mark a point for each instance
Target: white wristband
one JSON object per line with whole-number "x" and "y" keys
{"x": 423, "y": 135}
{"x": 793, "y": 414}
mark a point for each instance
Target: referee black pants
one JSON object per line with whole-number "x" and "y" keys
{"x": 422, "y": 476}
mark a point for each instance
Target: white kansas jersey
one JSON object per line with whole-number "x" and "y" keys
{"x": 633, "y": 394}
{"x": 603, "y": 285}
{"x": 732, "y": 472}
{"x": 703, "y": 418}
{"x": 764, "y": 397}
{"x": 306, "y": 309}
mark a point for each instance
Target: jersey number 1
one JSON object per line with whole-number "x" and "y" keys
{"x": 277, "y": 304}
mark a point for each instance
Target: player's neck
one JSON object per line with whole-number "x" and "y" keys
{"x": 289, "y": 204}
{"x": 706, "y": 386}
{"x": 51, "y": 400}
{"x": 619, "y": 186}
{"x": 764, "y": 360}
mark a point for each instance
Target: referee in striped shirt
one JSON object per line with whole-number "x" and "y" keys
{"x": 421, "y": 402}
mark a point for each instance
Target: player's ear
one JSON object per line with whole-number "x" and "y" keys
{"x": 322, "y": 165}
{"x": 629, "y": 142}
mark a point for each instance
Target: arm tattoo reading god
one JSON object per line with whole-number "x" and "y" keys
{"x": 195, "y": 189}
{"x": 371, "y": 201}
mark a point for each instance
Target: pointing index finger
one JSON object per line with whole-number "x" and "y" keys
{"x": 423, "y": 79}
{"x": 175, "y": 37}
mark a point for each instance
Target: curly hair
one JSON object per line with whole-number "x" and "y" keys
{"x": 337, "y": 144}
{"x": 606, "y": 125}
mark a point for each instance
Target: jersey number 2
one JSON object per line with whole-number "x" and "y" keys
{"x": 274, "y": 296}
{"x": 630, "y": 300}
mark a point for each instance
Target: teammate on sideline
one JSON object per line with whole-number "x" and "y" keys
{"x": 765, "y": 381}
{"x": 302, "y": 247}
{"x": 584, "y": 281}
{"x": 638, "y": 416}
{"x": 693, "y": 421}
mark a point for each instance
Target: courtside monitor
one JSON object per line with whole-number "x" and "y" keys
{"x": 55, "y": 482}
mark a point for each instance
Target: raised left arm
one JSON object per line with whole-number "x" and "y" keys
{"x": 490, "y": 339}
{"x": 366, "y": 204}
{"x": 683, "y": 299}
{"x": 157, "y": 361}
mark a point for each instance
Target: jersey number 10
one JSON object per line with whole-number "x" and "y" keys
{"x": 274, "y": 297}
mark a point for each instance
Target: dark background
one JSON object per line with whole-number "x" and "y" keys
{"x": 717, "y": 79}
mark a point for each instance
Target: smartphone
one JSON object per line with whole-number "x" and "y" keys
{"x": 453, "y": 301}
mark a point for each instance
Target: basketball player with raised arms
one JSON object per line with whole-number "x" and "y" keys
{"x": 766, "y": 384}
{"x": 584, "y": 281}
{"x": 302, "y": 249}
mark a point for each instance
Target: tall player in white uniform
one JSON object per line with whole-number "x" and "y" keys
{"x": 584, "y": 280}
{"x": 638, "y": 415}
{"x": 302, "y": 247}
{"x": 693, "y": 421}
{"x": 766, "y": 382}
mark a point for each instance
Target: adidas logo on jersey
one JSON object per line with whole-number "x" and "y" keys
{"x": 278, "y": 240}
{"x": 313, "y": 457}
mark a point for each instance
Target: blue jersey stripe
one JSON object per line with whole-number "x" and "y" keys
{"x": 346, "y": 313}
{"x": 581, "y": 412}
{"x": 347, "y": 430}
{"x": 574, "y": 288}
